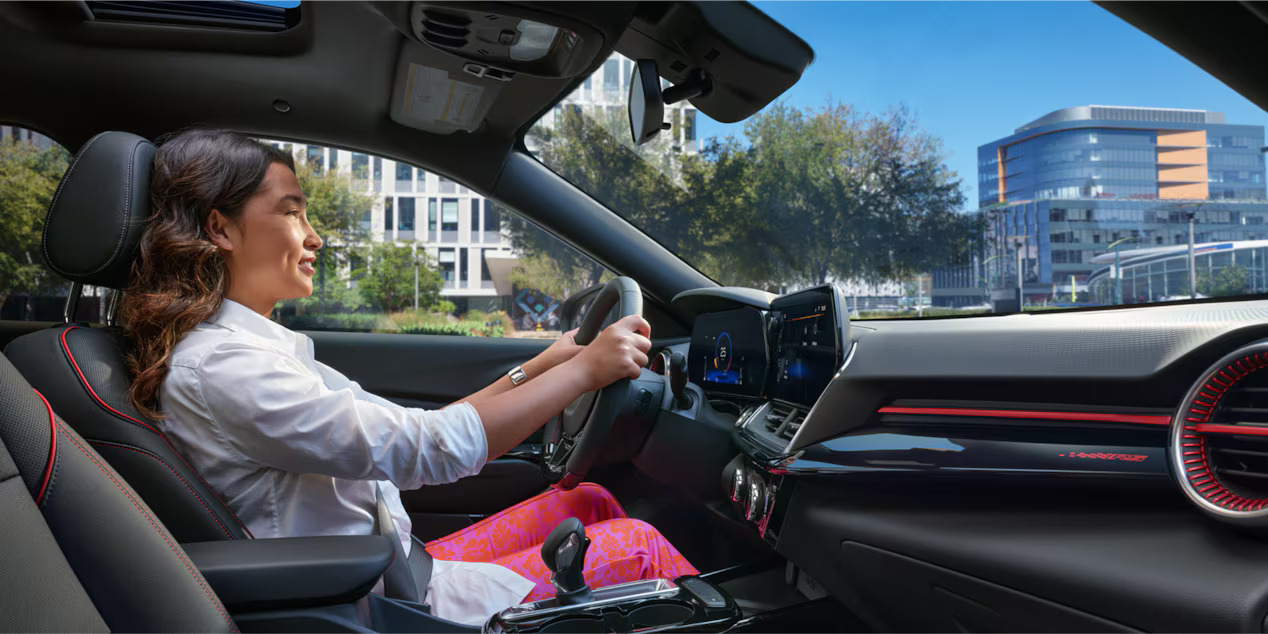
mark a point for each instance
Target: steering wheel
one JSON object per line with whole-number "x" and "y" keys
{"x": 574, "y": 440}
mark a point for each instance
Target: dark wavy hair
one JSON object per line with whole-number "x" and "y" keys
{"x": 179, "y": 278}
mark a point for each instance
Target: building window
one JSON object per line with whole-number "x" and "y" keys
{"x": 332, "y": 159}
{"x": 404, "y": 177}
{"x": 447, "y": 186}
{"x": 360, "y": 166}
{"x": 315, "y": 156}
{"x": 449, "y": 214}
{"x": 475, "y": 219}
{"x": 462, "y": 267}
{"x": 445, "y": 258}
{"x": 611, "y": 76}
{"x": 387, "y": 214}
{"x": 378, "y": 170}
{"x": 422, "y": 181}
{"x": 689, "y": 125}
{"x": 405, "y": 214}
{"x": 432, "y": 215}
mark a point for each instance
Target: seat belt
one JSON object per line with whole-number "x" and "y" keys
{"x": 407, "y": 577}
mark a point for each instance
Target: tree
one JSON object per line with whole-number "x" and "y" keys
{"x": 388, "y": 285}
{"x": 28, "y": 180}
{"x": 1227, "y": 281}
{"x": 806, "y": 196}
{"x": 340, "y": 215}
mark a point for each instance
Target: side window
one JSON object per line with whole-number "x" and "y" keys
{"x": 412, "y": 252}
{"x": 31, "y": 165}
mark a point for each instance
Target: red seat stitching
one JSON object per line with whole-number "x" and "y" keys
{"x": 100, "y": 444}
{"x": 100, "y": 401}
{"x": 52, "y": 451}
{"x": 180, "y": 554}
{"x": 84, "y": 381}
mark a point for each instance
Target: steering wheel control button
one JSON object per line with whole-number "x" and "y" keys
{"x": 704, "y": 592}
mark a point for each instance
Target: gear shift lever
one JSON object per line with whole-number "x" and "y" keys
{"x": 564, "y": 552}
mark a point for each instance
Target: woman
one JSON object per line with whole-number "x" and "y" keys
{"x": 294, "y": 447}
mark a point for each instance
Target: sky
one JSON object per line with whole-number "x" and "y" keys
{"x": 975, "y": 71}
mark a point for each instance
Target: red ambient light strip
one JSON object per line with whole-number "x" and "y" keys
{"x": 1244, "y": 430}
{"x": 1095, "y": 417}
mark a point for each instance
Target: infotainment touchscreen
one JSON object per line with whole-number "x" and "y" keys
{"x": 729, "y": 352}
{"x": 807, "y": 346}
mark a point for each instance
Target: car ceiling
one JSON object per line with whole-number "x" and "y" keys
{"x": 70, "y": 77}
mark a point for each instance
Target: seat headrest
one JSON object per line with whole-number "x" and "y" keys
{"x": 100, "y": 209}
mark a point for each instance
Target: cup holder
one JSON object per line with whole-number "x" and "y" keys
{"x": 577, "y": 624}
{"x": 660, "y": 614}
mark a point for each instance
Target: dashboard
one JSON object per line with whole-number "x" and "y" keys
{"x": 1013, "y": 462}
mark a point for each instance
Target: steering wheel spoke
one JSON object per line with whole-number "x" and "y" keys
{"x": 574, "y": 440}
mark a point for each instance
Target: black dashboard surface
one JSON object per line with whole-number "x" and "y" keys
{"x": 1135, "y": 358}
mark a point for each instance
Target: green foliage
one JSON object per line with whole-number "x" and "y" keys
{"x": 1227, "y": 281}
{"x": 336, "y": 210}
{"x": 28, "y": 180}
{"x": 807, "y": 196}
{"x": 388, "y": 285}
{"x": 352, "y": 322}
{"x": 473, "y": 324}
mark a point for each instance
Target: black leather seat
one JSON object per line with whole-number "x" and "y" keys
{"x": 79, "y": 550}
{"x": 90, "y": 237}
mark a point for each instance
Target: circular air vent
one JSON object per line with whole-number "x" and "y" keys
{"x": 1219, "y": 438}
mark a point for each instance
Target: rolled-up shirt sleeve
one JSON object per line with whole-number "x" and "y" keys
{"x": 275, "y": 411}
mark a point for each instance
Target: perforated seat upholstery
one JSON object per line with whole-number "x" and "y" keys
{"x": 91, "y": 235}
{"x": 81, "y": 552}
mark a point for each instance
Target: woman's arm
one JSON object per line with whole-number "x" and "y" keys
{"x": 563, "y": 349}
{"x": 620, "y": 351}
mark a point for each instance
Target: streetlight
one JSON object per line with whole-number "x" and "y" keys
{"x": 1118, "y": 271}
{"x": 1018, "y": 244}
{"x": 1191, "y": 210}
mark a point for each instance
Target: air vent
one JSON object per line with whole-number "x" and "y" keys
{"x": 444, "y": 29}
{"x": 711, "y": 55}
{"x": 678, "y": 66}
{"x": 783, "y": 421}
{"x": 1220, "y": 438}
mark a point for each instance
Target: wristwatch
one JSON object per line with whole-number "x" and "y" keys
{"x": 517, "y": 375}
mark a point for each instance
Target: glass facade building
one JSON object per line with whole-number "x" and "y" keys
{"x": 1082, "y": 182}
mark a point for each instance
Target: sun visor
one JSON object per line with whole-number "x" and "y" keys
{"x": 749, "y": 58}
{"x": 437, "y": 95}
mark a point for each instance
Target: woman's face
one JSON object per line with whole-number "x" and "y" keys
{"x": 270, "y": 247}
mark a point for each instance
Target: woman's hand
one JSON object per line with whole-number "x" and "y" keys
{"x": 564, "y": 348}
{"x": 619, "y": 352}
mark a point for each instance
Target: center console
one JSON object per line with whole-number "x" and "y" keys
{"x": 687, "y": 603}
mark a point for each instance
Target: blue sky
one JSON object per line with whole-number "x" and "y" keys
{"x": 975, "y": 71}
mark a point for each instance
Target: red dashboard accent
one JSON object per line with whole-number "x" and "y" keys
{"x": 1095, "y": 417}
{"x": 1245, "y": 430}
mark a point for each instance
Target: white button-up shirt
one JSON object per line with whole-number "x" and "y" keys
{"x": 295, "y": 448}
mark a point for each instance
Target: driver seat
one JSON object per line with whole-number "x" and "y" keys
{"x": 79, "y": 550}
{"x": 90, "y": 238}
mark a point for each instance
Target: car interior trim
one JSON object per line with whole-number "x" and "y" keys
{"x": 1142, "y": 419}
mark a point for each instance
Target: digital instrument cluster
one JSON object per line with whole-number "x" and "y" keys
{"x": 729, "y": 352}
{"x": 789, "y": 352}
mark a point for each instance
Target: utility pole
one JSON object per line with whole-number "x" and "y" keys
{"x": 1118, "y": 271}
{"x": 1019, "y": 242}
{"x": 1193, "y": 268}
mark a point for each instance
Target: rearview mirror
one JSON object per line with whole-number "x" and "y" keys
{"x": 646, "y": 105}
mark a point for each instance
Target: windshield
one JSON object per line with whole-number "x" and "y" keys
{"x": 941, "y": 159}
